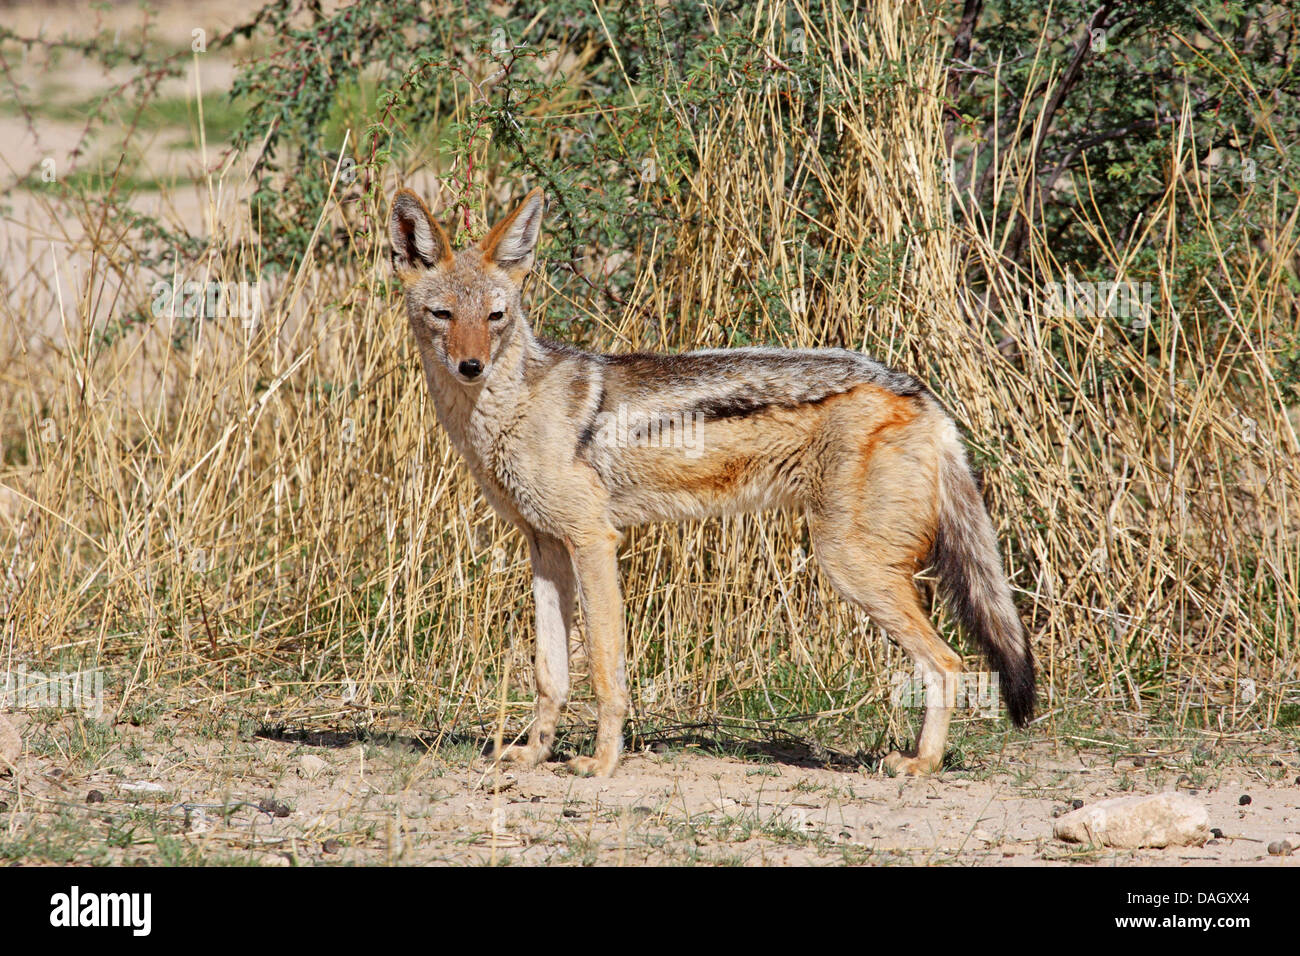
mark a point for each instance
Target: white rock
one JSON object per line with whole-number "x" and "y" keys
{"x": 11, "y": 745}
{"x": 1157, "y": 820}
{"x": 310, "y": 766}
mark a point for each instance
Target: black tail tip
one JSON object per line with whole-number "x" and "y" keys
{"x": 1018, "y": 691}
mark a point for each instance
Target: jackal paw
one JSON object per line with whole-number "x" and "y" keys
{"x": 897, "y": 763}
{"x": 523, "y": 755}
{"x": 592, "y": 766}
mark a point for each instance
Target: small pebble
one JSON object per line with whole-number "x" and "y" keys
{"x": 535, "y": 800}
{"x": 274, "y": 807}
{"x": 1280, "y": 848}
{"x": 1275, "y": 763}
{"x": 1076, "y": 804}
{"x": 94, "y": 797}
{"x": 569, "y": 813}
{"x": 1244, "y": 800}
{"x": 331, "y": 846}
{"x": 1139, "y": 761}
{"x": 1217, "y": 832}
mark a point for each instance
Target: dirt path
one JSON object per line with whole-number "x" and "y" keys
{"x": 323, "y": 799}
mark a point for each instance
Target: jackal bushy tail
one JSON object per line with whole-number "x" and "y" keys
{"x": 971, "y": 578}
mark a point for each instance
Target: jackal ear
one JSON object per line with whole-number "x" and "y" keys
{"x": 418, "y": 241}
{"x": 512, "y": 242}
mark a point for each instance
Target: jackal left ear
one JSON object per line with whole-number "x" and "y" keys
{"x": 512, "y": 242}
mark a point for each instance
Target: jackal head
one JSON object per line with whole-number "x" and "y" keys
{"x": 464, "y": 306}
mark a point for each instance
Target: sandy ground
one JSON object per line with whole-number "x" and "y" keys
{"x": 274, "y": 798}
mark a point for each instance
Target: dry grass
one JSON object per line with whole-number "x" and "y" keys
{"x": 270, "y": 518}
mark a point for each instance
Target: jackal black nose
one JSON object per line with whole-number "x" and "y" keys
{"x": 470, "y": 368}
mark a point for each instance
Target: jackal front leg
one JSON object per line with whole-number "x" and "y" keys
{"x": 595, "y": 559}
{"x": 553, "y": 594}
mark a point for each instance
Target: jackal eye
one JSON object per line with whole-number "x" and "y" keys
{"x": 442, "y": 315}
{"x": 496, "y": 316}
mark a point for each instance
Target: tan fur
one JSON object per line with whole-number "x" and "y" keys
{"x": 859, "y": 447}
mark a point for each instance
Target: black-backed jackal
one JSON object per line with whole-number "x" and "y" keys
{"x": 868, "y": 453}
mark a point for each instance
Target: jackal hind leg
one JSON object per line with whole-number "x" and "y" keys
{"x": 871, "y": 571}
{"x": 939, "y": 668}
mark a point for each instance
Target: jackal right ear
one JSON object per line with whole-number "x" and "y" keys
{"x": 418, "y": 241}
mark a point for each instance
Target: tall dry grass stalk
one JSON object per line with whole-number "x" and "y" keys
{"x": 270, "y": 517}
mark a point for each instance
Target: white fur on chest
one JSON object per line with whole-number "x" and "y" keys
{"x": 482, "y": 424}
